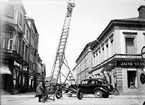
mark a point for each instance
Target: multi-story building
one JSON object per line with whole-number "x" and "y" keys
{"x": 18, "y": 48}
{"x": 13, "y": 45}
{"x": 84, "y": 63}
{"x": 117, "y": 53}
{"x": 33, "y": 48}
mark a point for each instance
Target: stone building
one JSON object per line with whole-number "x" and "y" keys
{"x": 117, "y": 54}
{"x": 18, "y": 48}
{"x": 84, "y": 63}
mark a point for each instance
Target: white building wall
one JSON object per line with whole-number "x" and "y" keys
{"x": 140, "y": 41}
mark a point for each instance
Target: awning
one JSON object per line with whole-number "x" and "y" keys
{"x": 5, "y": 70}
{"x": 98, "y": 71}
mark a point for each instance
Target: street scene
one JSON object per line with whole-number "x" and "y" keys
{"x": 70, "y": 52}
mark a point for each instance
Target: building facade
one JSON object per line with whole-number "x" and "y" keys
{"x": 12, "y": 47}
{"x": 117, "y": 54}
{"x": 84, "y": 63}
{"x": 18, "y": 48}
{"x": 33, "y": 52}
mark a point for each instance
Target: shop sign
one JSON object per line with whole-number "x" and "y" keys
{"x": 130, "y": 64}
{"x": 143, "y": 52}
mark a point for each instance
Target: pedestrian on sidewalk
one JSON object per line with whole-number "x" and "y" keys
{"x": 40, "y": 91}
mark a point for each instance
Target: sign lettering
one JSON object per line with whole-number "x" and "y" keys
{"x": 130, "y": 64}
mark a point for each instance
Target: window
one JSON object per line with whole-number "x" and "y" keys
{"x": 10, "y": 44}
{"x": 6, "y": 36}
{"x": 23, "y": 49}
{"x": 26, "y": 52}
{"x": 132, "y": 79}
{"x": 9, "y": 11}
{"x": 20, "y": 19}
{"x": 129, "y": 45}
{"x": 99, "y": 58}
{"x": 102, "y": 54}
{"x": 96, "y": 57}
{"x": 27, "y": 34}
{"x": 111, "y": 45}
{"x": 107, "y": 51}
{"x": 18, "y": 45}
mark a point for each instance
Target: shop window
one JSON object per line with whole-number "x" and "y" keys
{"x": 129, "y": 45}
{"x": 132, "y": 79}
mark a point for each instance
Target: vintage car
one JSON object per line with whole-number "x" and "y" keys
{"x": 97, "y": 86}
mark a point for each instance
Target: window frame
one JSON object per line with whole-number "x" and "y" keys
{"x": 136, "y": 80}
{"x": 130, "y": 35}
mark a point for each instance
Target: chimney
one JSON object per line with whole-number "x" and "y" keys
{"x": 141, "y": 11}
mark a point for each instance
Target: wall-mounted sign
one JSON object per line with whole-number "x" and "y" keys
{"x": 130, "y": 64}
{"x": 143, "y": 52}
{"x": 142, "y": 78}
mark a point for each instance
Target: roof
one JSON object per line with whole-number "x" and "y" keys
{"x": 127, "y": 22}
{"x": 134, "y": 19}
{"x": 87, "y": 45}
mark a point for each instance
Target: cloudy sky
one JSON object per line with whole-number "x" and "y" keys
{"x": 89, "y": 19}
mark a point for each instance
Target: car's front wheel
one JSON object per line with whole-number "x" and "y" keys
{"x": 98, "y": 94}
{"x": 106, "y": 95}
{"x": 79, "y": 94}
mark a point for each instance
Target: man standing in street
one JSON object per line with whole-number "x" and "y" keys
{"x": 40, "y": 91}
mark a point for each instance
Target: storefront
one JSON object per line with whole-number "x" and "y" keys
{"x": 129, "y": 73}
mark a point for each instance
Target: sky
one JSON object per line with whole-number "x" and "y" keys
{"x": 89, "y": 19}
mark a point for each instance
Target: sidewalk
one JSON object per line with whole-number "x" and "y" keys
{"x": 128, "y": 96}
{"x": 28, "y": 94}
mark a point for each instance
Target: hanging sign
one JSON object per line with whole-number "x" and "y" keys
{"x": 143, "y": 52}
{"x": 142, "y": 78}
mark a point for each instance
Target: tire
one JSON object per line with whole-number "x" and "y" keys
{"x": 98, "y": 94}
{"x": 106, "y": 95}
{"x": 69, "y": 94}
{"x": 58, "y": 94}
{"x": 79, "y": 94}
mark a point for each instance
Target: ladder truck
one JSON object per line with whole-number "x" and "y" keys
{"x": 60, "y": 55}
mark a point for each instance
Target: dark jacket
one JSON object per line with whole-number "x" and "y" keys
{"x": 40, "y": 90}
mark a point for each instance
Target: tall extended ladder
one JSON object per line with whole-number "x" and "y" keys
{"x": 60, "y": 54}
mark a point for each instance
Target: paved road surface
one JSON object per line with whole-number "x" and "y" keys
{"x": 29, "y": 99}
